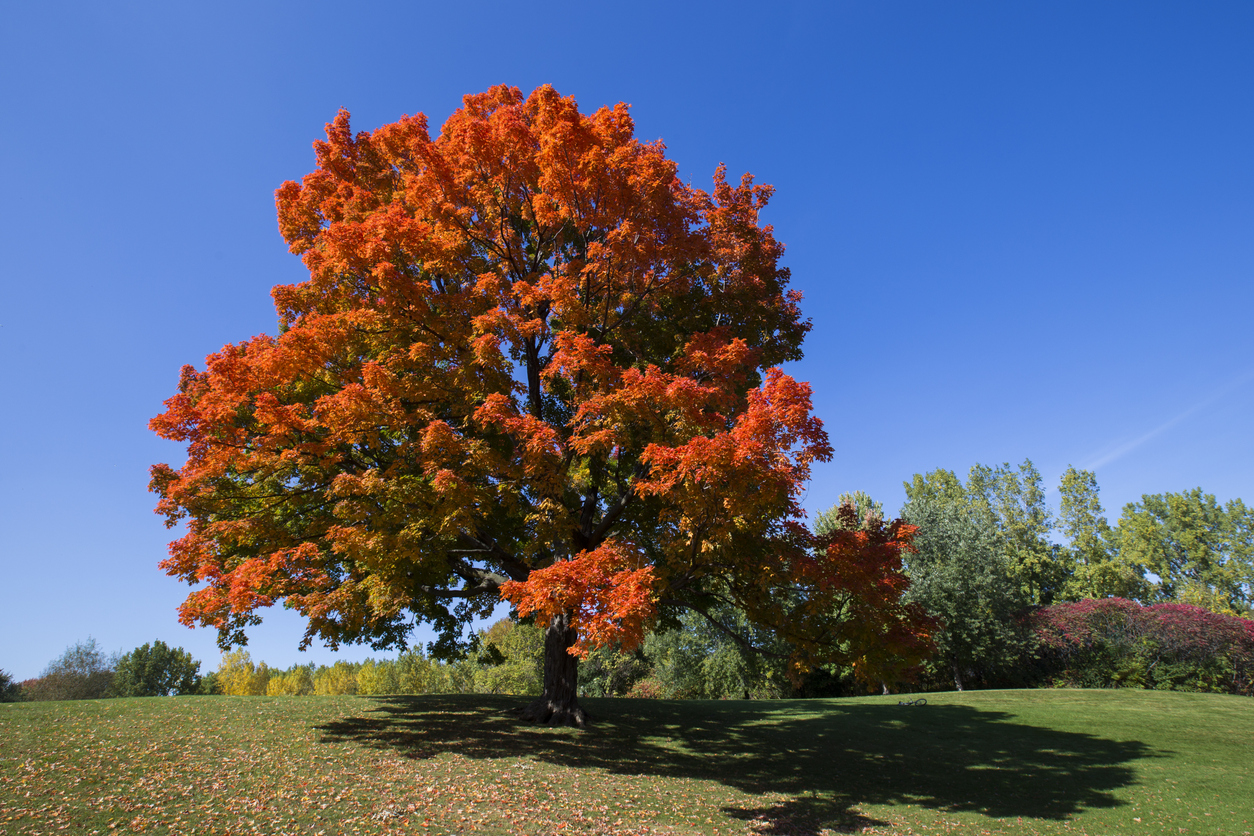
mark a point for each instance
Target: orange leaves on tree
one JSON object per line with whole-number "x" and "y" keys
{"x": 523, "y": 344}
{"x": 858, "y": 573}
{"x": 607, "y": 591}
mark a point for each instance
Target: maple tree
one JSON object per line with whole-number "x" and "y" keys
{"x": 529, "y": 363}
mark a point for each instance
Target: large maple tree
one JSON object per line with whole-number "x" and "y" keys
{"x": 529, "y": 363}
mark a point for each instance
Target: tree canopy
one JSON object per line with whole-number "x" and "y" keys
{"x": 963, "y": 573}
{"x": 529, "y": 362}
{"x": 83, "y": 672}
{"x": 156, "y": 670}
{"x": 1201, "y": 552}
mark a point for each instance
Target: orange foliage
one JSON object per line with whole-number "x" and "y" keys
{"x": 607, "y": 591}
{"x": 860, "y": 571}
{"x": 528, "y": 360}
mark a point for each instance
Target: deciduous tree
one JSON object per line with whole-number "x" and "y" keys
{"x": 10, "y": 691}
{"x": 511, "y": 659}
{"x": 1201, "y": 551}
{"x": 1098, "y": 569}
{"x": 1014, "y": 501}
{"x": 83, "y": 672}
{"x": 238, "y": 676}
{"x": 529, "y": 362}
{"x": 961, "y": 574}
{"x": 156, "y": 670}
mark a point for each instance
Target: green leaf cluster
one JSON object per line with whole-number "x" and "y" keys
{"x": 156, "y": 670}
{"x": 963, "y": 574}
{"x": 1201, "y": 552}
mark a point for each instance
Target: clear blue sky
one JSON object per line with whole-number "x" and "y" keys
{"x": 1022, "y": 230}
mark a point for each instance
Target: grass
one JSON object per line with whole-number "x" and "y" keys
{"x": 998, "y": 762}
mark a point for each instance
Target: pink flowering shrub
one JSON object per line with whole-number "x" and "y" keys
{"x": 1113, "y": 642}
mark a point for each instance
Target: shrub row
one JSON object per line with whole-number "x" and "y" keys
{"x": 1113, "y": 642}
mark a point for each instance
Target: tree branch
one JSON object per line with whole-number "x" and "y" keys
{"x": 515, "y": 568}
{"x": 723, "y": 628}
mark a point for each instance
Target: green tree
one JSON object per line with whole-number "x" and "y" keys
{"x": 718, "y": 655}
{"x": 209, "y": 684}
{"x": 9, "y": 690}
{"x": 1098, "y": 569}
{"x": 378, "y": 678}
{"x": 156, "y": 670}
{"x": 938, "y": 486}
{"x": 1014, "y": 500}
{"x": 866, "y": 508}
{"x": 416, "y": 674}
{"x": 1202, "y": 552}
{"x": 961, "y": 575}
{"x": 612, "y": 672}
{"x": 511, "y": 659}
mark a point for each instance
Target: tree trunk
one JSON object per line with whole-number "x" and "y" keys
{"x": 957, "y": 676}
{"x": 558, "y": 704}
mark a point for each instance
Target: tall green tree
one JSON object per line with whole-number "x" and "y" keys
{"x": 939, "y": 486}
{"x": 1098, "y": 569}
{"x": 156, "y": 670}
{"x": 962, "y": 575}
{"x": 1202, "y": 552}
{"x": 1014, "y": 500}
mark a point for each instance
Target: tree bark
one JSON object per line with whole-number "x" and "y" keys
{"x": 558, "y": 705}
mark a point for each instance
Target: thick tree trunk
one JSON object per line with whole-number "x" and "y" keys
{"x": 558, "y": 704}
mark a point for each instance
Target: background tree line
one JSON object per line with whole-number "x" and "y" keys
{"x": 85, "y": 672}
{"x": 987, "y": 556}
{"x": 1022, "y": 596}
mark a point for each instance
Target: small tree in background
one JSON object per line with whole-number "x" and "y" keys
{"x": 511, "y": 659}
{"x": 83, "y": 672}
{"x": 10, "y": 691}
{"x": 866, "y": 511}
{"x": 718, "y": 657}
{"x": 1098, "y": 569}
{"x": 337, "y": 680}
{"x": 296, "y": 681}
{"x": 378, "y": 678}
{"x": 238, "y": 677}
{"x": 612, "y": 672}
{"x": 1202, "y": 552}
{"x": 156, "y": 670}
{"x": 1010, "y": 503}
{"x": 209, "y": 684}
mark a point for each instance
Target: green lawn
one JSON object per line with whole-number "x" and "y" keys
{"x": 1056, "y": 762}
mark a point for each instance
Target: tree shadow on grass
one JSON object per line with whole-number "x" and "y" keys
{"x": 826, "y": 757}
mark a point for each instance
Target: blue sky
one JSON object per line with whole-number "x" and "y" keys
{"x": 1021, "y": 229}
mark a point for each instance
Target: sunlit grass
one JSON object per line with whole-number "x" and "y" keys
{"x": 1095, "y": 762}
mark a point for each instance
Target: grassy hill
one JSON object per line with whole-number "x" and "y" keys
{"x": 1012, "y": 762}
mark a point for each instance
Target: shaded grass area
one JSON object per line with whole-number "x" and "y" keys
{"x": 1097, "y": 762}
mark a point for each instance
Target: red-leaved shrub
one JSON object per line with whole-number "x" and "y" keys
{"x": 1111, "y": 642}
